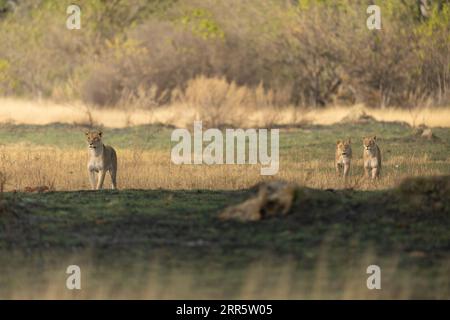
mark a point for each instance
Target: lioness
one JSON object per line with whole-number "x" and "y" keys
{"x": 101, "y": 159}
{"x": 372, "y": 158}
{"x": 343, "y": 156}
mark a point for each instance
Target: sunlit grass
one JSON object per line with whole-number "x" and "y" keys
{"x": 184, "y": 114}
{"x": 65, "y": 169}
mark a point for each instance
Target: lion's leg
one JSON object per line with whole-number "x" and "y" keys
{"x": 101, "y": 178}
{"x": 346, "y": 169}
{"x": 375, "y": 173}
{"x": 338, "y": 169}
{"x": 113, "y": 173}
{"x": 367, "y": 172}
{"x": 92, "y": 179}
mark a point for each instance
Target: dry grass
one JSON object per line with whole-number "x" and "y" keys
{"x": 65, "y": 169}
{"x": 184, "y": 112}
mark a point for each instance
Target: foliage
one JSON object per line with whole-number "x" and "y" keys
{"x": 317, "y": 52}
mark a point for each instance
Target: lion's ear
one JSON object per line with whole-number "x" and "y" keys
{"x": 337, "y": 142}
{"x": 349, "y": 140}
{"x": 374, "y": 137}
{"x": 100, "y": 133}
{"x": 86, "y": 133}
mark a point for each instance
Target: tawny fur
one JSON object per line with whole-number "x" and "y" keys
{"x": 101, "y": 159}
{"x": 343, "y": 157}
{"x": 372, "y": 158}
{"x": 274, "y": 198}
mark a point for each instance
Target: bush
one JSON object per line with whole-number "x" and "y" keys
{"x": 307, "y": 53}
{"x": 216, "y": 99}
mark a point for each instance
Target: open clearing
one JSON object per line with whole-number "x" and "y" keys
{"x": 56, "y": 156}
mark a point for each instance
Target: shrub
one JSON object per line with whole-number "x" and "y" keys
{"x": 315, "y": 53}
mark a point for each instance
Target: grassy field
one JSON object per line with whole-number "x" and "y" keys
{"x": 55, "y": 155}
{"x": 159, "y": 236}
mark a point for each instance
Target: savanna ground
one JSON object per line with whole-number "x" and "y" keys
{"x": 159, "y": 236}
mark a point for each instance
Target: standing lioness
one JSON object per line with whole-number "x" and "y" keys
{"x": 343, "y": 156}
{"x": 101, "y": 159}
{"x": 372, "y": 158}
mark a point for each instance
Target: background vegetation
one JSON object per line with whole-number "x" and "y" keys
{"x": 270, "y": 52}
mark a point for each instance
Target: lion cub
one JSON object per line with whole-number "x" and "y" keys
{"x": 101, "y": 159}
{"x": 343, "y": 156}
{"x": 372, "y": 158}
